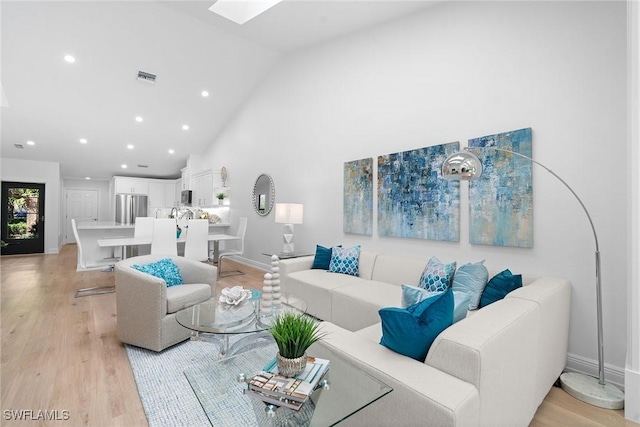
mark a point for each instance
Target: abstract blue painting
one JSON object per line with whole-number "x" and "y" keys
{"x": 358, "y": 197}
{"x": 501, "y": 201}
{"x": 413, "y": 200}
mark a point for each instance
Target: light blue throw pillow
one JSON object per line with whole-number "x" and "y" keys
{"x": 437, "y": 276}
{"x": 460, "y": 305}
{"x": 164, "y": 269}
{"x": 345, "y": 260}
{"x": 411, "y": 331}
{"x": 471, "y": 279}
{"x": 412, "y": 295}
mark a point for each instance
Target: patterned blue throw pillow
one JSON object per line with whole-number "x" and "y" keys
{"x": 345, "y": 260}
{"x": 164, "y": 269}
{"x": 437, "y": 276}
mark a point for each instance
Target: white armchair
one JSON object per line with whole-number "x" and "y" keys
{"x": 146, "y": 307}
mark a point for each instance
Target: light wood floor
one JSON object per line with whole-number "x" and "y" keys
{"x": 60, "y": 353}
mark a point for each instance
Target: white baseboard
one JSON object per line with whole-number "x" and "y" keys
{"x": 632, "y": 395}
{"x": 612, "y": 374}
{"x": 250, "y": 262}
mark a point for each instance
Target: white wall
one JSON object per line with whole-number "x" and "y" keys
{"x": 457, "y": 71}
{"x": 47, "y": 173}
{"x": 632, "y": 368}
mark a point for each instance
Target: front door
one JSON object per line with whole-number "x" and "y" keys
{"x": 22, "y": 218}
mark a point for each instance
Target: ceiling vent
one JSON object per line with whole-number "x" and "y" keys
{"x": 146, "y": 77}
{"x": 18, "y": 146}
{"x": 143, "y": 166}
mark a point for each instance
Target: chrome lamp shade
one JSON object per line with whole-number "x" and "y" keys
{"x": 466, "y": 166}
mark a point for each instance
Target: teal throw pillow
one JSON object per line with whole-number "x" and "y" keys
{"x": 499, "y": 286}
{"x": 164, "y": 269}
{"x": 345, "y": 260}
{"x": 322, "y": 258}
{"x": 437, "y": 276}
{"x": 411, "y": 331}
{"x": 471, "y": 278}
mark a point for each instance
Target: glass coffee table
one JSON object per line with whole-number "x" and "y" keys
{"x": 217, "y": 322}
{"x": 221, "y": 395}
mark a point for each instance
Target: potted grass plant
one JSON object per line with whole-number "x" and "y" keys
{"x": 294, "y": 333}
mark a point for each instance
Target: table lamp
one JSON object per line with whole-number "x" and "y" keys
{"x": 288, "y": 214}
{"x": 465, "y": 166}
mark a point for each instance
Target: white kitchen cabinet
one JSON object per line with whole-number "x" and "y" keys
{"x": 131, "y": 185}
{"x": 162, "y": 194}
{"x": 185, "y": 182}
{"x": 202, "y": 187}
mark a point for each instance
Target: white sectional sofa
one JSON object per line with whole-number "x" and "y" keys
{"x": 492, "y": 368}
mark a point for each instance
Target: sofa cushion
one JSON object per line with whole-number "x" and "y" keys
{"x": 164, "y": 269}
{"x": 411, "y": 331}
{"x": 345, "y": 260}
{"x": 181, "y": 297}
{"x": 437, "y": 276}
{"x": 356, "y": 306}
{"x": 316, "y": 288}
{"x": 499, "y": 286}
{"x": 396, "y": 269}
{"x": 322, "y": 258}
{"x": 471, "y": 278}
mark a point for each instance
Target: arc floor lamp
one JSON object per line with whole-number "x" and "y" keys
{"x": 466, "y": 166}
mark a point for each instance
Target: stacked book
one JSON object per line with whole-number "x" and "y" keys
{"x": 273, "y": 388}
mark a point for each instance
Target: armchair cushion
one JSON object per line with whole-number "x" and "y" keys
{"x": 181, "y": 297}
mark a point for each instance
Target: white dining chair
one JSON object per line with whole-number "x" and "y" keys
{"x": 233, "y": 247}
{"x": 164, "y": 239}
{"x": 196, "y": 246}
{"x": 105, "y": 264}
{"x": 143, "y": 229}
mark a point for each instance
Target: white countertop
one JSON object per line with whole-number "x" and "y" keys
{"x": 110, "y": 225}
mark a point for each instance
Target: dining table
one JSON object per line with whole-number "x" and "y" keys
{"x": 123, "y": 242}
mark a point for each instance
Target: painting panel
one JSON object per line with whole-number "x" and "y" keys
{"x": 358, "y": 197}
{"x": 413, "y": 200}
{"x": 501, "y": 201}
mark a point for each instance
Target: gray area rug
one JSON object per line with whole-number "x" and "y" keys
{"x": 167, "y": 396}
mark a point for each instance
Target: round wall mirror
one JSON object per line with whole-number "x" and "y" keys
{"x": 264, "y": 194}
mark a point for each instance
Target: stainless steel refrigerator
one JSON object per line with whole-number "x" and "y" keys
{"x": 129, "y": 207}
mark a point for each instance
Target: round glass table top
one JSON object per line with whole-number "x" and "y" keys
{"x": 215, "y": 317}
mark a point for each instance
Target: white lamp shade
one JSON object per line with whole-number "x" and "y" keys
{"x": 289, "y": 213}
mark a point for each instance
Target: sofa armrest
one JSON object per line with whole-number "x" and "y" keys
{"x": 422, "y": 395}
{"x": 197, "y": 272}
{"x": 291, "y": 265}
{"x": 496, "y": 350}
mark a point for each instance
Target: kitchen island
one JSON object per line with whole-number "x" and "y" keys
{"x": 92, "y": 231}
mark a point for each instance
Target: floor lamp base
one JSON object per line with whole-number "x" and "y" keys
{"x": 588, "y": 389}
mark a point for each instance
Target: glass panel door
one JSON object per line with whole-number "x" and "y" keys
{"x": 22, "y": 218}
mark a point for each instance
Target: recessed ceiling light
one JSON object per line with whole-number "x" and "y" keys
{"x": 87, "y": 177}
{"x": 138, "y": 119}
{"x": 185, "y": 127}
{"x": 83, "y": 141}
{"x": 205, "y": 93}
{"x": 123, "y": 166}
{"x": 31, "y": 143}
{"x": 130, "y": 146}
{"x": 171, "y": 151}
{"x": 70, "y": 59}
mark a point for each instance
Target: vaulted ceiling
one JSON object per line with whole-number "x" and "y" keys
{"x": 83, "y": 114}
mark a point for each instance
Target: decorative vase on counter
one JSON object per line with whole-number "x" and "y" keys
{"x": 291, "y": 367}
